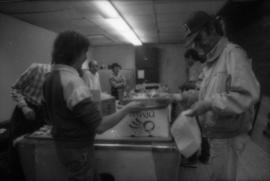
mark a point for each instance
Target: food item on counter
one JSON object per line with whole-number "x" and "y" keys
{"x": 44, "y": 131}
{"x": 151, "y": 98}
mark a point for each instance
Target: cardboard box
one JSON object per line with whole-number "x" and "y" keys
{"x": 106, "y": 106}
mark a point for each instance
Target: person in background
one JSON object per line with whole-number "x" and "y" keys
{"x": 117, "y": 82}
{"x": 227, "y": 95}
{"x": 194, "y": 68}
{"x": 27, "y": 93}
{"x": 75, "y": 117}
{"x": 91, "y": 76}
{"x": 29, "y": 114}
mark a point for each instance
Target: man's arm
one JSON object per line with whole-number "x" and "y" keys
{"x": 114, "y": 83}
{"x": 16, "y": 91}
{"x": 124, "y": 81}
{"x": 113, "y": 119}
{"x": 242, "y": 88}
{"x": 98, "y": 82}
{"x": 86, "y": 110}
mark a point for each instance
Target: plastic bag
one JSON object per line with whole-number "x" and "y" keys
{"x": 186, "y": 133}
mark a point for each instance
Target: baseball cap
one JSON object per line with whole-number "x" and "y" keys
{"x": 194, "y": 24}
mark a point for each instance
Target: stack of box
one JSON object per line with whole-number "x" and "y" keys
{"x": 107, "y": 106}
{"x": 105, "y": 102}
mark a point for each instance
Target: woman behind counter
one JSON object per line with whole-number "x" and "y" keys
{"x": 117, "y": 82}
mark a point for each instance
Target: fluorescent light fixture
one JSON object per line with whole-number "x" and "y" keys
{"x": 117, "y": 22}
{"x": 124, "y": 30}
{"x": 106, "y": 8}
{"x": 120, "y": 26}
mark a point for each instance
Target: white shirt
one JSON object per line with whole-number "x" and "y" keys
{"x": 91, "y": 80}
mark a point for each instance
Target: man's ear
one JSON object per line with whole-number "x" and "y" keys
{"x": 212, "y": 29}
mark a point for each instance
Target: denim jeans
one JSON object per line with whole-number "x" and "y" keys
{"x": 224, "y": 157}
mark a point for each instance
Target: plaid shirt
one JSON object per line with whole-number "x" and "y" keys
{"x": 28, "y": 88}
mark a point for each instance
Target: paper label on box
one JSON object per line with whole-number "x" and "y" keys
{"x": 148, "y": 123}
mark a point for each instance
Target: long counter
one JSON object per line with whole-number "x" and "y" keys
{"x": 126, "y": 160}
{"x": 139, "y": 148}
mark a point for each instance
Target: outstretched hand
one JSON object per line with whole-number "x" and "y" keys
{"x": 135, "y": 106}
{"x": 29, "y": 113}
{"x": 164, "y": 99}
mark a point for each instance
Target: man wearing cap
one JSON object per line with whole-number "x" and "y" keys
{"x": 228, "y": 92}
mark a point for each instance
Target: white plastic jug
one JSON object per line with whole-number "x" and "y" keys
{"x": 186, "y": 133}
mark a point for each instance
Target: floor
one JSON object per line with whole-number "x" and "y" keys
{"x": 254, "y": 162}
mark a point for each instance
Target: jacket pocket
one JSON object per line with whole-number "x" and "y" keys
{"x": 222, "y": 82}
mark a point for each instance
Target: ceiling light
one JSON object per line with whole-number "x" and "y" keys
{"x": 107, "y": 9}
{"x": 120, "y": 26}
{"x": 117, "y": 22}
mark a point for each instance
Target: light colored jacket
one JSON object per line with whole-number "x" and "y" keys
{"x": 231, "y": 87}
{"x": 91, "y": 80}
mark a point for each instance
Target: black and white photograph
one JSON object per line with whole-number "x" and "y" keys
{"x": 134, "y": 90}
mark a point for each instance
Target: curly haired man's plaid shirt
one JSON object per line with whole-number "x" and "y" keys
{"x": 28, "y": 88}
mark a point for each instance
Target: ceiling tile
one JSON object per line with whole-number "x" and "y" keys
{"x": 172, "y": 17}
{"x": 152, "y": 20}
{"x": 188, "y": 6}
{"x": 85, "y": 9}
{"x": 142, "y": 7}
{"x": 140, "y": 20}
{"x": 33, "y": 6}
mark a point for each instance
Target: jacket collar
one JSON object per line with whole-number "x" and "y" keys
{"x": 217, "y": 50}
{"x": 62, "y": 67}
